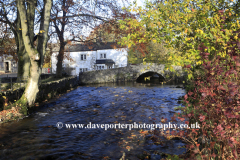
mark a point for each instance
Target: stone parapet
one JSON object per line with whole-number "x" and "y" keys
{"x": 129, "y": 73}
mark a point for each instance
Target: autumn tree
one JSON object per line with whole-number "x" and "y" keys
{"x": 106, "y": 32}
{"x": 111, "y": 31}
{"x": 182, "y": 26}
{"x": 154, "y": 53}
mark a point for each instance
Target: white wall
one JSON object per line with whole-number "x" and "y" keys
{"x": 77, "y": 62}
{"x": 118, "y": 56}
{"x": 88, "y": 63}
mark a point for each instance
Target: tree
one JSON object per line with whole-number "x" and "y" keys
{"x": 183, "y": 25}
{"x": 23, "y": 29}
{"x": 106, "y": 32}
{"x": 71, "y": 16}
{"x": 36, "y": 54}
{"x": 139, "y": 51}
{"x": 154, "y": 53}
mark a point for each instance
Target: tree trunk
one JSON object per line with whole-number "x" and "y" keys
{"x": 23, "y": 58}
{"x": 23, "y": 61}
{"x": 60, "y": 33}
{"x": 36, "y": 55}
{"x": 60, "y": 60}
{"x": 32, "y": 84}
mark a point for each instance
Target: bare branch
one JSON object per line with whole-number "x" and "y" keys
{"x": 78, "y": 15}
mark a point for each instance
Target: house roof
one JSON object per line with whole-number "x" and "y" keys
{"x": 105, "y": 61}
{"x": 90, "y": 47}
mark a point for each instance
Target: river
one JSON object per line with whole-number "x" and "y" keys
{"x": 37, "y": 136}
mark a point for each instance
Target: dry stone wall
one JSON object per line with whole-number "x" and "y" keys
{"x": 46, "y": 90}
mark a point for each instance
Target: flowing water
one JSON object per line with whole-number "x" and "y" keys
{"x": 37, "y": 136}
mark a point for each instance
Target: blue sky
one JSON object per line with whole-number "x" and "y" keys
{"x": 139, "y": 2}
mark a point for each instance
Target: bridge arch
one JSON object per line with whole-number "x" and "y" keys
{"x": 150, "y": 76}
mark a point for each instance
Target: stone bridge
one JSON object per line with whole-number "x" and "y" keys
{"x": 139, "y": 73}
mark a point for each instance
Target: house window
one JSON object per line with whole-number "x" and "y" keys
{"x": 103, "y": 55}
{"x": 83, "y": 57}
{"x": 83, "y": 69}
{"x": 102, "y": 67}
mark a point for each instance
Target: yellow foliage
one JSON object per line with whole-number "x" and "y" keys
{"x": 185, "y": 29}
{"x": 147, "y": 78}
{"x": 199, "y": 62}
{"x": 47, "y": 65}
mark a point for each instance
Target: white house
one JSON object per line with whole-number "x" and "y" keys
{"x": 90, "y": 57}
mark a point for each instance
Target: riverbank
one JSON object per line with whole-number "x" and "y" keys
{"x": 47, "y": 91}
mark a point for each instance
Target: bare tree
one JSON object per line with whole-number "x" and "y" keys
{"x": 72, "y": 16}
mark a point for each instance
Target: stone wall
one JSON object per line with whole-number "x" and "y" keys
{"x": 109, "y": 75}
{"x": 14, "y": 79}
{"x": 46, "y": 90}
{"x": 129, "y": 73}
